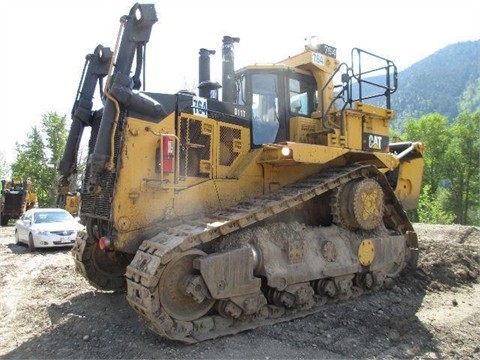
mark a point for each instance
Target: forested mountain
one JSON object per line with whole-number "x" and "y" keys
{"x": 446, "y": 82}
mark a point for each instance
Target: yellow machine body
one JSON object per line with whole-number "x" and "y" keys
{"x": 220, "y": 216}
{"x": 146, "y": 195}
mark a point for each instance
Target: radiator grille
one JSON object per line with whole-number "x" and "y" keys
{"x": 195, "y": 145}
{"x": 99, "y": 206}
{"x": 227, "y": 150}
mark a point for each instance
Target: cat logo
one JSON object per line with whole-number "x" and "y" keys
{"x": 373, "y": 142}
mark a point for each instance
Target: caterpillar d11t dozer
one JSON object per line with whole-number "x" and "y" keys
{"x": 219, "y": 216}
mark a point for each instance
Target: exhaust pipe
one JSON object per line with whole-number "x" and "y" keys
{"x": 204, "y": 65}
{"x": 228, "y": 68}
{"x": 205, "y": 86}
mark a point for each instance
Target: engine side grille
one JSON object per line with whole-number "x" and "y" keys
{"x": 99, "y": 206}
{"x": 227, "y": 138}
{"x": 195, "y": 145}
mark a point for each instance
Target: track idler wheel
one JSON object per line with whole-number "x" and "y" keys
{"x": 180, "y": 291}
{"x": 360, "y": 204}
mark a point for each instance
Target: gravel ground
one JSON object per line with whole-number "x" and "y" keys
{"x": 51, "y": 312}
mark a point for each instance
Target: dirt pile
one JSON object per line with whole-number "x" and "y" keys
{"x": 450, "y": 255}
{"x": 49, "y": 311}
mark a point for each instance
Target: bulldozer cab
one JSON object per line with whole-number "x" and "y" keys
{"x": 275, "y": 95}
{"x": 309, "y": 96}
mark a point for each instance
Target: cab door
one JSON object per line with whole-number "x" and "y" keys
{"x": 301, "y": 97}
{"x": 266, "y": 108}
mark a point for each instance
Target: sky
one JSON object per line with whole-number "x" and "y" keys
{"x": 44, "y": 42}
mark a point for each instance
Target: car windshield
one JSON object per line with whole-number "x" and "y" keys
{"x": 51, "y": 216}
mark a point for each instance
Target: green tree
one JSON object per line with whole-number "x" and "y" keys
{"x": 462, "y": 165}
{"x": 38, "y": 157}
{"x": 432, "y": 130}
{"x": 55, "y": 131}
{"x": 451, "y": 181}
{"x": 31, "y": 163}
{"x": 431, "y": 207}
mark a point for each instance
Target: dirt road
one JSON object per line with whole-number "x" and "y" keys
{"x": 49, "y": 311}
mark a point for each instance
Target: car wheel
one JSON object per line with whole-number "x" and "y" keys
{"x": 17, "y": 238}
{"x": 31, "y": 245}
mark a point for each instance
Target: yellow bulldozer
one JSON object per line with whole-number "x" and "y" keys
{"x": 16, "y": 197}
{"x": 222, "y": 215}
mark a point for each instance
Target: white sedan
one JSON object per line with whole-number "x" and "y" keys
{"x": 46, "y": 228}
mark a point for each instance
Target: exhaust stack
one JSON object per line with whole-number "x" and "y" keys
{"x": 205, "y": 86}
{"x": 228, "y": 68}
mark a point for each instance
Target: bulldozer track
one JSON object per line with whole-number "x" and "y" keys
{"x": 144, "y": 272}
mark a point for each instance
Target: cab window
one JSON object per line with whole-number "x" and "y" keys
{"x": 241, "y": 84}
{"x": 265, "y": 121}
{"x": 301, "y": 96}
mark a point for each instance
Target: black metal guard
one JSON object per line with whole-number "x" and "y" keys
{"x": 354, "y": 75}
{"x": 390, "y": 71}
{"x": 343, "y": 94}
